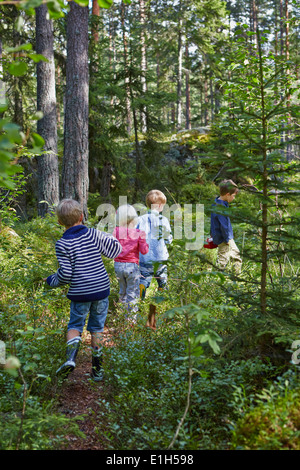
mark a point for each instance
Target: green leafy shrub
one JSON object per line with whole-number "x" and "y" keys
{"x": 273, "y": 420}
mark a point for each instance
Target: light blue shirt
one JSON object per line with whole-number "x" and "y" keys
{"x": 158, "y": 234}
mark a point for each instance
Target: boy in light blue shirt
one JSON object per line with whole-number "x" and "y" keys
{"x": 158, "y": 235}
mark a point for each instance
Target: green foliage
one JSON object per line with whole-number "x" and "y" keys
{"x": 10, "y": 136}
{"x": 203, "y": 358}
{"x": 32, "y": 325}
{"x": 147, "y": 374}
{"x": 271, "y": 420}
{"x": 216, "y": 373}
{"x": 41, "y": 428}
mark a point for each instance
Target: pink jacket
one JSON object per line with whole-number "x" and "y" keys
{"x": 133, "y": 243}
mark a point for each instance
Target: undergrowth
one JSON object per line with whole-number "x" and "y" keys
{"x": 213, "y": 374}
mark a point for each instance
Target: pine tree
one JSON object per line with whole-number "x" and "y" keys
{"x": 252, "y": 122}
{"x": 48, "y": 174}
{"x": 75, "y": 180}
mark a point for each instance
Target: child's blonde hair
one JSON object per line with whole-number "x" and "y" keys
{"x": 69, "y": 212}
{"x": 155, "y": 197}
{"x": 125, "y": 215}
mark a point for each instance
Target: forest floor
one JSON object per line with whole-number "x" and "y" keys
{"x": 79, "y": 398}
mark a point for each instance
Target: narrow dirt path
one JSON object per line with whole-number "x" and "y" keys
{"x": 80, "y": 397}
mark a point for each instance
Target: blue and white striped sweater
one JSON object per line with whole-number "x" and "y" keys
{"x": 80, "y": 263}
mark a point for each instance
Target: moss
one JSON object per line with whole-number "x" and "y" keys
{"x": 273, "y": 425}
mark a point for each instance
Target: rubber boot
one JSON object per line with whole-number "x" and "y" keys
{"x": 161, "y": 270}
{"x": 162, "y": 283}
{"x": 97, "y": 371}
{"x": 142, "y": 291}
{"x": 71, "y": 353}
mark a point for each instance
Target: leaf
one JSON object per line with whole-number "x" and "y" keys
{"x": 82, "y": 3}
{"x": 31, "y": 4}
{"x": 19, "y": 23}
{"x": 38, "y": 140}
{"x": 105, "y": 3}
{"x": 214, "y": 346}
{"x": 38, "y": 58}
{"x": 21, "y": 47}
{"x": 18, "y": 69}
{"x": 55, "y": 9}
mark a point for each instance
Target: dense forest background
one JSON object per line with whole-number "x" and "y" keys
{"x": 107, "y": 99}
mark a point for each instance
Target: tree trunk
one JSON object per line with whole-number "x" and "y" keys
{"x": 287, "y": 55}
{"x": 205, "y": 97}
{"x": 138, "y": 156}
{"x": 143, "y": 64}
{"x": 127, "y": 86}
{"x": 75, "y": 181}
{"x": 48, "y": 174}
{"x": 187, "y": 91}
{"x": 106, "y": 181}
{"x": 265, "y": 176}
{"x": 112, "y": 50}
{"x": 179, "y": 77}
{"x": 2, "y": 84}
{"x": 17, "y": 81}
{"x": 281, "y": 26}
{"x": 95, "y": 27}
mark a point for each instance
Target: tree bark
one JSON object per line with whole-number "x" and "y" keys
{"x": 48, "y": 173}
{"x": 179, "y": 76}
{"x": 187, "y": 91}
{"x": 75, "y": 181}
{"x": 143, "y": 64}
{"x": 112, "y": 50}
{"x": 2, "y": 84}
{"x": 17, "y": 81}
{"x": 95, "y": 27}
{"x": 287, "y": 55}
{"x": 128, "y": 98}
{"x": 265, "y": 176}
{"x": 106, "y": 181}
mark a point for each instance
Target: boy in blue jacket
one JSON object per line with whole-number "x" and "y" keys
{"x": 221, "y": 229}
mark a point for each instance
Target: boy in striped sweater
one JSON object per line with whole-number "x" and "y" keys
{"x": 79, "y": 254}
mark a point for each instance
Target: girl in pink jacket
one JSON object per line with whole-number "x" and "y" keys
{"x": 133, "y": 243}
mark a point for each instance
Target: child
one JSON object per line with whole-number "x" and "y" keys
{"x": 80, "y": 265}
{"x": 133, "y": 242}
{"x": 158, "y": 234}
{"x": 221, "y": 229}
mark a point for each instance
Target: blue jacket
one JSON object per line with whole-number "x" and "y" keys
{"x": 220, "y": 225}
{"x": 158, "y": 234}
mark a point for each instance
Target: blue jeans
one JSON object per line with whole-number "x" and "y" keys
{"x": 97, "y": 311}
{"x": 128, "y": 275}
{"x": 147, "y": 272}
